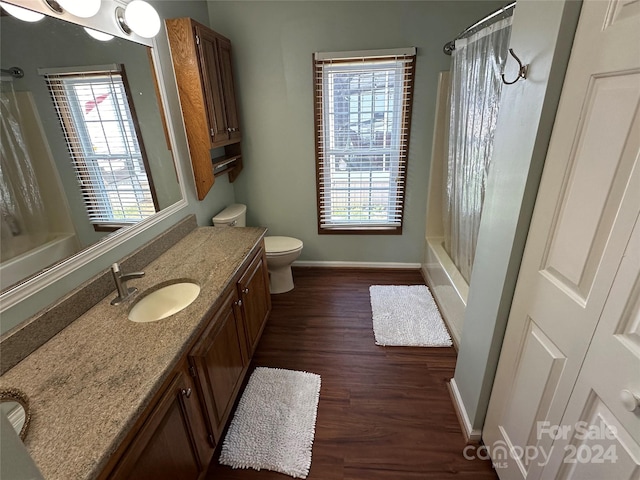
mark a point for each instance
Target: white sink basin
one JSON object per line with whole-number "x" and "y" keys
{"x": 164, "y": 302}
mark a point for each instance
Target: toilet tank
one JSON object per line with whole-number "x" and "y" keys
{"x": 234, "y": 215}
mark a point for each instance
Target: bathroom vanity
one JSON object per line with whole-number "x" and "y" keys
{"x": 112, "y": 398}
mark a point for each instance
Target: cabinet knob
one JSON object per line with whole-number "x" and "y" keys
{"x": 186, "y": 392}
{"x": 238, "y": 303}
{"x": 630, "y": 401}
{"x": 245, "y": 290}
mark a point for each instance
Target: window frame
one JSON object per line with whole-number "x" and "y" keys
{"x": 63, "y": 105}
{"x": 321, "y": 130}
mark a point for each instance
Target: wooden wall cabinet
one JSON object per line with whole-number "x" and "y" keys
{"x": 178, "y": 436}
{"x": 202, "y": 64}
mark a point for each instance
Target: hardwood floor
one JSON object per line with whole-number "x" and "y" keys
{"x": 384, "y": 412}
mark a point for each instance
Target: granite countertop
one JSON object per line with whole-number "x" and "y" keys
{"x": 88, "y": 385}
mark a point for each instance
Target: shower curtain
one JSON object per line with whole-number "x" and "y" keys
{"x": 21, "y": 208}
{"x": 475, "y": 98}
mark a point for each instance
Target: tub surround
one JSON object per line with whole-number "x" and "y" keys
{"x": 53, "y": 250}
{"x": 449, "y": 288}
{"x": 447, "y": 284}
{"x": 89, "y": 384}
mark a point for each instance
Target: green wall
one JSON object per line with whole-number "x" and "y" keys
{"x": 273, "y": 44}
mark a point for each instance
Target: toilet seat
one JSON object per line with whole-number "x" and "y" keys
{"x": 281, "y": 245}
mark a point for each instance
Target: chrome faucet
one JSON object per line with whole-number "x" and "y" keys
{"x": 121, "y": 283}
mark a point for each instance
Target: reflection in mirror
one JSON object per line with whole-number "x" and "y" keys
{"x": 14, "y": 405}
{"x": 84, "y": 147}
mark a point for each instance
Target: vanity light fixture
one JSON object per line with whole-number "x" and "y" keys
{"x": 54, "y": 6}
{"x": 21, "y": 13}
{"x": 121, "y": 21}
{"x": 140, "y": 18}
{"x": 80, "y": 8}
{"x": 98, "y": 35}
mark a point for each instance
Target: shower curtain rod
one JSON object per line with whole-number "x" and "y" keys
{"x": 15, "y": 72}
{"x": 449, "y": 47}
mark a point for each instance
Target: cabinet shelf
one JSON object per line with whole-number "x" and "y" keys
{"x": 225, "y": 164}
{"x": 228, "y": 159}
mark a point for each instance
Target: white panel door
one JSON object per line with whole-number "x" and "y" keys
{"x": 587, "y": 205}
{"x": 603, "y": 414}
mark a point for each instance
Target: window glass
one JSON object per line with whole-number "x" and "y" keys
{"x": 362, "y": 116}
{"x": 100, "y": 130}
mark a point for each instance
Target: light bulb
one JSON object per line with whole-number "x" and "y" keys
{"x": 22, "y": 13}
{"x": 81, "y": 8}
{"x": 103, "y": 37}
{"x": 142, "y": 18}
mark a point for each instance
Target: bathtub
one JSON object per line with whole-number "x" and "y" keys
{"x": 446, "y": 283}
{"x": 449, "y": 288}
{"x": 57, "y": 248}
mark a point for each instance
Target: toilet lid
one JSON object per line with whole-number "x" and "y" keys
{"x": 230, "y": 213}
{"x": 275, "y": 245}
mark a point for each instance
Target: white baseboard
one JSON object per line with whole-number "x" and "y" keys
{"x": 471, "y": 435}
{"x": 337, "y": 264}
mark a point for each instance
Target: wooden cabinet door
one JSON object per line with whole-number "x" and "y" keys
{"x": 172, "y": 443}
{"x": 202, "y": 64}
{"x": 256, "y": 299}
{"x": 212, "y": 85}
{"x": 220, "y": 361}
{"x": 186, "y": 57}
{"x": 228, "y": 89}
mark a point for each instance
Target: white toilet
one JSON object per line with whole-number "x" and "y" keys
{"x": 281, "y": 251}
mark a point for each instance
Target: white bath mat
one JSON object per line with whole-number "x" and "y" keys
{"x": 407, "y": 315}
{"x": 274, "y": 425}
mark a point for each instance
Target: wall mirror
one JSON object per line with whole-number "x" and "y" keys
{"x": 47, "y": 218}
{"x": 14, "y": 405}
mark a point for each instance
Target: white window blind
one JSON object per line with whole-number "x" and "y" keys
{"x": 101, "y": 134}
{"x": 362, "y": 116}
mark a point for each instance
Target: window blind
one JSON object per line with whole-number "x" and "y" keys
{"x": 100, "y": 130}
{"x": 362, "y": 121}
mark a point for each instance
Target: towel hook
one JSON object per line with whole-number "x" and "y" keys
{"x": 522, "y": 69}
